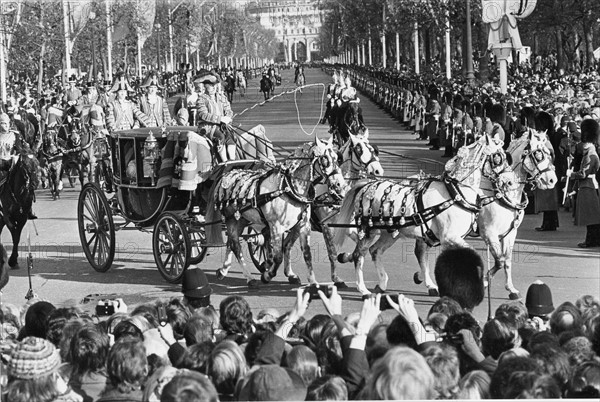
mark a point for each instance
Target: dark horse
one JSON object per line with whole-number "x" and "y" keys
{"x": 16, "y": 197}
{"x": 29, "y": 128}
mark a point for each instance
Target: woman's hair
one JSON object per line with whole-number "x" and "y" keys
{"x": 89, "y": 350}
{"x": 321, "y": 335}
{"x": 401, "y": 374}
{"x": 197, "y": 330}
{"x": 399, "y": 332}
{"x": 226, "y": 366}
{"x": 585, "y": 380}
{"x": 178, "y": 315}
{"x": 474, "y": 385}
{"x": 127, "y": 365}
{"x": 127, "y": 328}
{"x": 149, "y": 312}
{"x": 501, "y": 377}
{"x": 530, "y": 385}
{"x": 39, "y": 389}
{"x": 255, "y": 341}
{"x": 210, "y": 314}
{"x": 36, "y": 319}
{"x": 57, "y": 321}
{"x": 196, "y": 357}
{"x": 235, "y": 315}
{"x": 327, "y": 388}
{"x": 498, "y": 337}
{"x": 189, "y": 386}
{"x": 304, "y": 362}
{"x": 68, "y": 332}
{"x": 445, "y": 305}
{"x": 443, "y": 362}
{"x": 514, "y": 313}
{"x": 553, "y": 361}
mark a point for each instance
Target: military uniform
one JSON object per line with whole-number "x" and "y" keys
{"x": 154, "y": 106}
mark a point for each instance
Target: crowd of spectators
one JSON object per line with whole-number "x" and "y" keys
{"x": 184, "y": 349}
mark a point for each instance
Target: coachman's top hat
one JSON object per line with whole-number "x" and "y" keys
{"x": 539, "y": 299}
{"x": 121, "y": 84}
{"x": 152, "y": 80}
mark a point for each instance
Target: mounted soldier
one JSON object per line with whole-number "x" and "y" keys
{"x": 214, "y": 115}
{"x": 185, "y": 108}
{"x": 153, "y": 105}
{"x": 10, "y": 149}
{"x": 72, "y": 93}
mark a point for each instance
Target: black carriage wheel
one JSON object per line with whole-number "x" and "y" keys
{"x": 171, "y": 247}
{"x": 258, "y": 247}
{"x": 96, "y": 227}
{"x": 198, "y": 251}
{"x": 73, "y": 175}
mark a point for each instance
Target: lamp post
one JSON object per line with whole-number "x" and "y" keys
{"x": 157, "y": 26}
{"x": 470, "y": 74}
{"x": 108, "y": 41}
{"x": 92, "y": 17}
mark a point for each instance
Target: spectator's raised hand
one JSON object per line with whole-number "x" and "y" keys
{"x": 469, "y": 345}
{"x": 405, "y": 306}
{"x": 333, "y": 303}
{"x": 369, "y": 314}
{"x": 301, "y": 305}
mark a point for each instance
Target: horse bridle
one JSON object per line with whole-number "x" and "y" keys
{"x": 536, "y": 156}
{"x": 357, "y": 151}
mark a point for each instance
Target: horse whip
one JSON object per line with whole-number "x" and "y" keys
{"x": 30, "y": 295}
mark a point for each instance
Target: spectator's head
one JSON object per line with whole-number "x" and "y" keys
{"x": 586, "y": 303}
{"x": 401, "y": 374}
{"x": 304, "y": 362}
{"x": 127, "y": 366}
{"x": 542, "y": 338}
{"x": 178, "y": 315}
{"x": 255, "y": 341}
{"x": 149, "y": 312}
{"x": 33, "y": 372}
{"x": 127, "y": 328}
{"x": 210, "y": 314}
{"x": 566, "y": 317}
{"x": 69, "y": 331}
{"x": 189, "y": 386}
{"x": 226, "y": 366}
{"x": 453, "y": 326}
{"x": 377, "y": 343}
{"x": 594, "y": 334}
{"x": 498, "y": 337}
{"x": 553, "y": 361}
{"x": 36, "y": 319}
{"x": 514, "y": 313}
{"x": 445, "y": 305}
{"x": 197, "y": 330}
{"x": 195, "y": 288}
{"x": 271, "y": 383}
{"x": 539, "y": 300}
{"x": 196, "y": 357}
{"x": 321, "y": 335}
{"x": 327, "y": 388}
{"x": 501, "y": 377}
{"x": 236, "y": 316}
{"x": 399, "y": 333}
{"x": 579, "y": 349}
{"x": 89, "y": 350}
{"x": 153, "y": 388}
{"x": 459, "y": 275}
{"x": 474, "y": 385}
{"x": 443, "y": 362}
{"x": 530, "y": 385}
{"x": 57, "y": 321}
{"x": 585, "y": 381}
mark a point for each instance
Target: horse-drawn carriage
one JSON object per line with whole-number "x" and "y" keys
{"x": 162, "y": 179}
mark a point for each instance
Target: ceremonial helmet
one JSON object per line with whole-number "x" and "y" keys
{"x": 121, "y": 84}
{"x": 206, "y": 77}
{"x": 152, "y": 79}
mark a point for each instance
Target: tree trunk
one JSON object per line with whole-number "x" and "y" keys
{"x": 483, "y": 60}
{"x": 41, "y": 68}
{"x": 427, "y": 47}
{"x": 560, "y": 51}
{"x": 588, "y": 33}
{"x": 464, "y": 53}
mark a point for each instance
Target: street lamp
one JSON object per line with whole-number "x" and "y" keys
{"x": 157, "y": 26}
{"x": 470, "y": 74}
{"x": 92, "y": 17}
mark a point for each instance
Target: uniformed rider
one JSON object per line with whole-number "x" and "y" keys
{"x": 123, "y": 114}
{"x": 153, "y": 105}
{"x": 10, "y": 149}
{"x": 214, "y": 117}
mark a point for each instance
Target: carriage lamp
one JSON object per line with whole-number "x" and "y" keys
{"x": 151, "y": 154}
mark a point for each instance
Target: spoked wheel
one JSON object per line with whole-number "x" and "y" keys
{"x": 96, "y": 227}
{"x": 171, "y": 246}
{"x": 73, "y": 175}
{"x": 197, "y": 241}
{"x": 258, "y": 246}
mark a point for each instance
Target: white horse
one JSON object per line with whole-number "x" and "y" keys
{"x": 498, "y": 221}
{"x": 278, "y": 198}
{"x": 358, "y": 157}
{"x": 241, "y": 83}
{"x": 434, "y": 210}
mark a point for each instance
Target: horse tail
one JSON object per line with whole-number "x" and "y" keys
{"x": 346, "y": 213}
{"x": 3, "y": 267}
{"x": 214, "y": 233}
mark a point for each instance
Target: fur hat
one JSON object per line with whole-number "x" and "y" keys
{"x": 459, "y": 275}
{"x": 33, "y": 357}
{"x": 539, "y": 299}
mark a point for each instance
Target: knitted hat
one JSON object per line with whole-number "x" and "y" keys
{"x": 195, "y": 284}
{"x": 33, "y": 357}
{"x": 539, "y": 299}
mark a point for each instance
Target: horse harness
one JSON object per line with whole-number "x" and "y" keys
{"x": 393, "y": 223}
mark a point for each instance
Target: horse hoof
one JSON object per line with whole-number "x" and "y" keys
{"x": 433, "y": 292}
{"x": 344, "y": 258}
{"x": 253, "y": 284}
{"x": 416, "y": 278}
{"x": 514, "y": 295}
{"x": 340, "y": 285}
{"x": 266, "y": 277}
{"x": 220, "y": 275}
{"x": 294, "y": 280}
{"x": 378, "y": 290}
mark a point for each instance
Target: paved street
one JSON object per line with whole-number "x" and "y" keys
{"x": 63, "y": 276}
